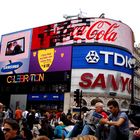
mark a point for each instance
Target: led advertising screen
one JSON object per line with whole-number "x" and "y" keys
{"x": 15, "y": 46}
{"x": 85, "y": 30}
{"x": 101, "y": 57}
{"x": 42, "y": 37}
{"x": 49, "y": 60}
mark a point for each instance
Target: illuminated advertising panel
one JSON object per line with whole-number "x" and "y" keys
{"x": 49, "y": 60}
{"x": 101, "y": 81}
{"x": 45, "y": 97}
{"x": 101, "y": 57}
{"x": 85, "y": 30}
{"x": 15, "y": 52}
{"x": 14, "y": 66}
{"x": 15, "y": 46}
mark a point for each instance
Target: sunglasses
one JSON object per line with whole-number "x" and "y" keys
{"x": 111, "y": 107}
{"x": 6, "y": 129}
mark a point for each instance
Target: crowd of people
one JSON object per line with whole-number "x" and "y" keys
{"x": 95, "y": 124}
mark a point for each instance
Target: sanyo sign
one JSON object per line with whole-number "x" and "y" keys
{"x": 102, "y": 57}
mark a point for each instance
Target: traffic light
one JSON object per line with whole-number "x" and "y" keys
{"x": 76, "y": 96}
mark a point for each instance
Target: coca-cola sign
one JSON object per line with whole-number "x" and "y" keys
{"x": 96, "y": 31}
{"x": 86, "y": 30}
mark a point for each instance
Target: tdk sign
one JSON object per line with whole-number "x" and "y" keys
{"x": 92, "y": 57}
{"x": 119, "y": 60}
{"x": 11, "y": 67}
{"x": 101, "y": 57}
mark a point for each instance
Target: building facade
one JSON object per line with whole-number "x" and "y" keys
{"x": 43, "y": 66}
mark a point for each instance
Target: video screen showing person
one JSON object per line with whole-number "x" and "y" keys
{"x": 15, "y": 47}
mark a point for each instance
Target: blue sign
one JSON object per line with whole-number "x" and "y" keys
{"x": 101, "y": 57}
{"x": 11, "y": 67}
{"x": 46, "y": 97}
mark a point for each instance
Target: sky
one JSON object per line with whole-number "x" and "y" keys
{"x": 18, "y": 15}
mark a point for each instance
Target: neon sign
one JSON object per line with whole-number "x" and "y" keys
{"x": 25, "y": 78}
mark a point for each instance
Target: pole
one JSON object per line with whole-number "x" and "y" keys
{"x": 132, "y": 84}
{"x": 80, "y": 103}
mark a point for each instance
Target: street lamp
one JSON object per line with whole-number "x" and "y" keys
{"x": 134, "y": 109}
{"x": 133, "y": 67}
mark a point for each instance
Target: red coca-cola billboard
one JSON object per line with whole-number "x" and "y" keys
{"x": 85, "y": 30}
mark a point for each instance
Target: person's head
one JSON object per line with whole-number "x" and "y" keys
{"x": 99, "y": 107}
{"x": 1, "y": 107}
{"x": 14, "y": 43}
{"x": 60, "y": 123}
{"x": 113, "y": 106}
{"x": 41, "y": 138}
{"x": 26, "y": 133}
{"x": 10, "y": 129}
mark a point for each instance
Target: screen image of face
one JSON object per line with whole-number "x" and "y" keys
{"x": 15, "y": 47}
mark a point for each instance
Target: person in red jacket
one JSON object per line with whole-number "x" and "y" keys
{"x": 18, "y": 114}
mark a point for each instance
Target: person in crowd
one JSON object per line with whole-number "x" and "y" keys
{"x": 35, "y": 131}
{"x": 46, "y": 129}
{"x": 85, "y": 137}
{"x": 1, "y": 121}
{"x": 118, "y": 123}
{"x": 77, "y": 129}
{"x": 24, "y": 114}
{"x": 18, "y": 114}
{"x": 41, "y": 138}
{"x": 53, "y": 120}
{"x": 136, "y": 135}
{"x": 1, "y": 114}
{"x": 26, "y": 133}
{"x": 69, "y": 112}
{"x": 92, "y": 119}
{"x": 11, "y": 130}
{"x": 59, "y": 129}
{"x": 31, "y": 118}
{"x": 68, "y": 120}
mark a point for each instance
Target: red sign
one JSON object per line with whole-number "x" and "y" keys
{"x": 86, "y": 30}
{"x": 89, "y": 81}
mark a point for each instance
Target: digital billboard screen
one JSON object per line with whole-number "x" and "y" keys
{"x": 51, "y": 59}
{"x": 15, "y": 47}
{"x": 85, "y": 30}
{"x": 101, "y": 57}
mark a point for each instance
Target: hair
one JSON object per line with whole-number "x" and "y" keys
{"x": 12, "y": 123}
{"x": 85, "y": 137}
{"x": 41, "y": 138}
{"x": 1, "y": 104}
{"x": 99, "y": 104}
{"x": 113, "y": 102}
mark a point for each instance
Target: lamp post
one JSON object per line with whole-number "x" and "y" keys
{"x": 134, "y": 108}
{"x": 133, "y": 67}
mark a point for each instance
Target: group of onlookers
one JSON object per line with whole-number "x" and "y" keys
{"x": 96, "y": 124}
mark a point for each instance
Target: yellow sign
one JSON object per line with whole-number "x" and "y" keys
{"x": 45, "y": 58}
